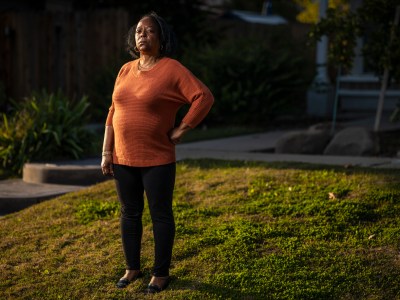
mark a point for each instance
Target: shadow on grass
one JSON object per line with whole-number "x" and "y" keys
{"x": 213, "y": 291}
{"x": 208, "y": 163}
{"x": 389, "y": 176}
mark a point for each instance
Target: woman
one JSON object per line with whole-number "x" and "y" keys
{"x": 140, "y": 138}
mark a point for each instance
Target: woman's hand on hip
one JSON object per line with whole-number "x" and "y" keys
{"x": 176, "y": 134}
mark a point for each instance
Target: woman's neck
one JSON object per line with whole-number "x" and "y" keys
{"x": 147, "y": 61}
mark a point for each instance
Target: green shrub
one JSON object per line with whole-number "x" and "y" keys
{"x": 251, "y": 82}
{"x": 43, "y": 127}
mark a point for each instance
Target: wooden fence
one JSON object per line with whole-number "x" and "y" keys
{"x": 58, "y": 50}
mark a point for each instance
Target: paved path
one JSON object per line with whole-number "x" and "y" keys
{"x": 16, "y": 194}
{"x": 259, "y": 147}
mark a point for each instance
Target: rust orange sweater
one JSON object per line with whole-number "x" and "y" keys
{"x": 143, "y": 110}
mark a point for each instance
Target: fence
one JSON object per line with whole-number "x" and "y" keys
{"x": 58, "y": 50}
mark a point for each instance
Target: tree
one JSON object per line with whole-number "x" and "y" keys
{"x": 310, "y": 9}
{"x": 377, "y": 22}
{"x": 372, "y": 21}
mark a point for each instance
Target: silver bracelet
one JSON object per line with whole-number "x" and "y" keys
{"x": 105, "y": 153}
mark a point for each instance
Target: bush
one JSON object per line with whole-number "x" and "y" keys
{"x": 43, "y": 126}
{"x": 251, "y": 82}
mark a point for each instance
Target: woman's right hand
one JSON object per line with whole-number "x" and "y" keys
{"x": 107, "y": 165}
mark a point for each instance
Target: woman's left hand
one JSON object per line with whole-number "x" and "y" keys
{"x": 177, "y": 133}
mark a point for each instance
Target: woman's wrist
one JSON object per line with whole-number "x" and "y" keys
{"x": 184, "y": 128}
{"x": 106, "y": 153}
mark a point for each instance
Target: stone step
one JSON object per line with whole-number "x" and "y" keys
{"x": 80, "y": 173}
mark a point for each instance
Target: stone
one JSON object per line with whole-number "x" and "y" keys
{"x": 303, "y": 142}
{"x": 325, "y": 127}
{"x": 353, "y": 141}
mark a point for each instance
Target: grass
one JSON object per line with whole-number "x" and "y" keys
{"x": 244, "y": 231}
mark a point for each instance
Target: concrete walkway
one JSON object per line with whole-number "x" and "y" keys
{"x": 16, "y": 194}
{"x": 45, "y": 181}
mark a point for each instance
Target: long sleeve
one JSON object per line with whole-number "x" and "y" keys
{"x": 197, "y": 94}
{"x": 109, "y": 120}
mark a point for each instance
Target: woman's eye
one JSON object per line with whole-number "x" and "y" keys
{"x": 139, "y": 31}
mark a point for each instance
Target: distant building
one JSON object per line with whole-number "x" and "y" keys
{"x": 254, "y": 18}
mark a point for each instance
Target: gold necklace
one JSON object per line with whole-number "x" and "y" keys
{"x": 143, "y": 68}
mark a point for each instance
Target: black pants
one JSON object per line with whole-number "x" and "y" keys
{"x": 158, "y": 183}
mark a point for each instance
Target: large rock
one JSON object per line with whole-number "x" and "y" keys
{"x": 353, "y": 141}
{"x": 303, "y": 142}
{"x": 325, "y": 127}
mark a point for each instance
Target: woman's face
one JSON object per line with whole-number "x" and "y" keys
{"x": 147, "y": 37}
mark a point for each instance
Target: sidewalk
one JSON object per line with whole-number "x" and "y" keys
{"x": 75, "y": 175}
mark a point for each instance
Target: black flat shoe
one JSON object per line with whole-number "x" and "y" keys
{"x": 153, "y": 289}
{"x": 124, "y": 282}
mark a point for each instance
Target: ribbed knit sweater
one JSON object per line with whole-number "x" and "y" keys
{"x": 144, "y": 107}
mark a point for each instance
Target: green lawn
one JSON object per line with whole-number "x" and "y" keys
{"x": 244, "y": 231}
